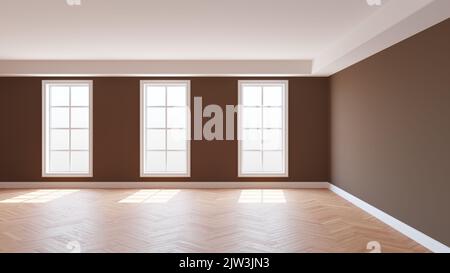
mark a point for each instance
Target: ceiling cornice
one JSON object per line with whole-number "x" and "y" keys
{"x": 395, "y": 21}
{"x": 156, "y": 68}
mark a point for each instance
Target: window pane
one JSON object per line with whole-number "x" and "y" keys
{"x": 79, "y": 96}
{"x": 261, "y": 127}
{"x": 251, "y": 117}
{"x": 176, "y": 117}
{"x": 59, "y": 118}
{"x": 166, "y": 120}
{"x": 273, "y": 96}
{"x": 176, "y": 139}
{"x": 59, "y": 162}
{"x": 155, "y": 161}
{"x": 80, "y": 162}
{"x": 176, "y": 96}
{"x": 156, "y": 117}
{"x": 80, "y": 117}
{"x": 59, "y": 96}
{"x": 273, "y": 139}
{"x": 156, "y": 96}
{"x": 176, "y": 162}
{"x": 67, "y": 106}
{"x": 273, "y": 162}
{"x": 156, "y": 139}
{"x": 251, "y": 96}
{"x": 273, "y": 117}
{"x": 251, "y": 162}
{"x": 251, "y": 139}
{"x": 79, "y": 139}
{"x": 59, "y": 139}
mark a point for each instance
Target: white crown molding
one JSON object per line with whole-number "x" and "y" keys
{"x": 403, "y": 228}
{"x": 164, "y": 185}
{"x": 395, "y": 21}
{"x": 156, "y": 68}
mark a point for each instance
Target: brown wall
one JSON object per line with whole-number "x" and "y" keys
{"x": 390, "y": 131}
{"x": 116, "y": 131}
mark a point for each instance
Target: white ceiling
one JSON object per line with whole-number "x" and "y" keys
{"x": 200, "y": 30}
{"x": 175, "y": 29}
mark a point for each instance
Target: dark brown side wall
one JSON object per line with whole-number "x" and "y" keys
{"x": 116, "y": 131}
{"x": 390, "y": 133}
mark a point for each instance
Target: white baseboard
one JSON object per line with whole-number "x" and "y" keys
{"x": 403, "y": 228}
{"x": 164, "y": 185}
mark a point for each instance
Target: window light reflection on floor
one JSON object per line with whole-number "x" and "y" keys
{"x": 262, "y": 196}
{"x": 150, "y": 196}
{"x": 39, "y": 196}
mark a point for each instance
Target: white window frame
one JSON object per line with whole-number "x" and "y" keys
{"x": 44, "y": 127}
{"x": 143, "y": 106}
{"x": 285, "y": 128}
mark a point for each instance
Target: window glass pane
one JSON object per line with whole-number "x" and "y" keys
{"x": 79, "y": 96}
{"x": 251, "y": 139}
{"x": 155, "y": 161}
{"x": 79, "y": 162}
{"x": 67, "y": 106}
{"x": 176, "y": 117}
{"x": 273, "y": 139}
{"x": 251, "y": 117}
{"x": 176, "y": 139}
{"x": 79, "y": 117}
{"x": 59, "y": 162}
{"x": 59, "y": 139}
{"x": 59, "y": 96}
{"x": 59, "y": 118}
{"x": 156, "y": 117}
{"x": 273, "y": 117}
{"x": 176, "y": 96}
{"x": 261, "y": 127}
{"x": 156, "y": 139}
{"x": 273, "y": 162}
{"x": 273, "y": 96}
{"x": 79, "y": 139}
{"x": 156, "y": 96}
{"x": 166, "y": 120}
{"x": 251, "y": 96}
{"x": 251, "y": 161}
{"x": 176, "y": 162}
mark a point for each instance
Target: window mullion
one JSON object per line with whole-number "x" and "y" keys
{"x": 285, "y": 126}
{"x": 262, "y": 129}
{"x": 165, "y": 125}
{"x": 49, "y": 129}
{"x": 70, "y": 129}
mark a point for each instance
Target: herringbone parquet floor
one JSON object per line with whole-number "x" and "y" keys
{"x": 309, "y": 220}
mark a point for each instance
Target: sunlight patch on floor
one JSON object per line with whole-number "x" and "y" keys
{"x": 150, "y": 196}
{"x": 262, "y": 196}
{"x": 39, "y": 196}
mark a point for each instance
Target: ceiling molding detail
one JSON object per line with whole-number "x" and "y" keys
{"x": 395, "y": 22}
{"x": 156, "y": 68}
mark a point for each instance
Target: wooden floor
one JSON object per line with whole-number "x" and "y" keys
{"x": 309, "y": 220}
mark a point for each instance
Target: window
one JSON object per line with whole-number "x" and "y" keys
{"x": 262, "y": 128}
{"x": 165, "y": 128}
{"x": 67, "y": 128}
